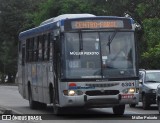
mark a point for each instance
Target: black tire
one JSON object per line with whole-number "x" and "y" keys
{"x": 42, "y": 105}
{"x": 32, "y": 104}
{"x": 132, "y": 105}
{"x": 119, "y": 110}
{"x": 145, "y": 103}
{"x": 57, "y": 110}
{"x": 159, "y": 106}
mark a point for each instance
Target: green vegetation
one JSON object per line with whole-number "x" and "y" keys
{"x": 19, "y": 15}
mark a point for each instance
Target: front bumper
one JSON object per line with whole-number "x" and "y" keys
{"x": 99, "y": 101}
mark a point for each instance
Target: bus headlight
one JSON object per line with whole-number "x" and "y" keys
{"x": 71, "y": 93}
{"x": 129, "y": 90}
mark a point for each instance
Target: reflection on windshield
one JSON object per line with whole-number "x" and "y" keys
{"x": 88, "y": 55}
{"x": 153, "y": 77}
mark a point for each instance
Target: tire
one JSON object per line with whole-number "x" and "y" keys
{"x": 145, "y": 103}
{"x": 159, "y": 106}
{"x": 57, "y": 110}
{"x": 32, "y": 104}
{"x": 119, "y": 110}
{"x": 132, "y": 105}
{"x": 42, "y": 105}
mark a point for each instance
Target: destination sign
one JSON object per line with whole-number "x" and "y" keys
{"x": 95, "y": 24}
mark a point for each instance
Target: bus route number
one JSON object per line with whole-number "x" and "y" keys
{"x": 127, "y": 84}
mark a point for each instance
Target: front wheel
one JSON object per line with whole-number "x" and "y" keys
{"x": 57, "y": 110}
{"x": 145, "y": 103}
{"x": 159, "y": 106}
{"x": 32, "y": 104}
{"x": 119, "y": 110}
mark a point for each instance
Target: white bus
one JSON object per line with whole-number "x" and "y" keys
{"x": 79, "y": 60}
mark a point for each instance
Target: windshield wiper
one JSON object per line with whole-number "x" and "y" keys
{"x": 80, "y": 43}
{"x": 110, "y": 39}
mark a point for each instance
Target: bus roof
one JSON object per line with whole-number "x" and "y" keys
{"x": 51, "y": 23}
{"x": 66, "y": 16}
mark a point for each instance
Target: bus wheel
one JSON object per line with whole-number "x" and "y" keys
{"x": 119, "y": 110}
{"x": 57, "y": 110}
{"x": 42, "y": 105}
{"x": 159, "y": 106}
{"x": 32, "y": 104}
{"x": 132, "y": 105}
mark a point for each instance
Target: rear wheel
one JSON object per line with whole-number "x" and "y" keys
{"x": 145, "y": 103}
{"x": 32, "y": 104}
{"x": 42, "y": 105}
{"x": 119, "y": 110}
{"x": 132, "y": 105}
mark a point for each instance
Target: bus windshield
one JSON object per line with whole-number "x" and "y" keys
{"x": 99, "y": 55}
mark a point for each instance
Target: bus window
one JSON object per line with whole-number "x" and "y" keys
{"x": 29, "y": 50}
{"x": 51, "y": 49}
{"x": 32, "y": 49}
{"x": 45, "y": 47}
{"x": 48, "y": 47}
{"x": 82, "y": 54}
{"x": 40, "y": 57}
{"x": 35, "y": 54}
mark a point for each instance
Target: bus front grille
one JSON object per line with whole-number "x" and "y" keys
{"x": 105, "y": 92}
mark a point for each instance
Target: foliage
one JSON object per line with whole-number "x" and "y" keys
{"x": 13, "y": 19}
{"x": 150, "y": 59}
{"x": 19, "y": 15}
{"x": 152, "y": 31}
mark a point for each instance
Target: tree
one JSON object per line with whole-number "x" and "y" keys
{"x": 15, "y": 16}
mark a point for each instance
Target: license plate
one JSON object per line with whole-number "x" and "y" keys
{"x": 127, "y": 96}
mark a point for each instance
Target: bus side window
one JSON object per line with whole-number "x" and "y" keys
{"x": 32, "y": 49}
{"x": 48, "y": 47}
{"x": 40, "y": 52}
{"x": 29, "y": 50}
{"x": 45, "y": 47}
{"x": 27, "y": 53}
{"x": 35, "y": 50}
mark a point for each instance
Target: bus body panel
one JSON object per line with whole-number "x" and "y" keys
{"x": 102, "y": 100}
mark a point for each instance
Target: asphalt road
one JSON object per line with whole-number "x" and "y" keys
{"x": 11, "y": 99}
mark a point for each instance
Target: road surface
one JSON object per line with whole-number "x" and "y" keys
{"x": 11, "y": 99}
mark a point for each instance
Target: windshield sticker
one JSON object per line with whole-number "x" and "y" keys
{"x": 84, "y": 53}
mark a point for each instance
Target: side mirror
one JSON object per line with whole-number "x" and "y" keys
{"x": 140, "y": 81}
{"x": 158, "y": 87}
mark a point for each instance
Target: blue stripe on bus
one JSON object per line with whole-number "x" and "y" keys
{"x": 37, "y": 30}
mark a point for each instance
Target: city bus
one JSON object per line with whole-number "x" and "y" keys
{"x": 79, "y": 60}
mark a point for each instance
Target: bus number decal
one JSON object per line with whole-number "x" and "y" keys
{"x": 126, "y": 84}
